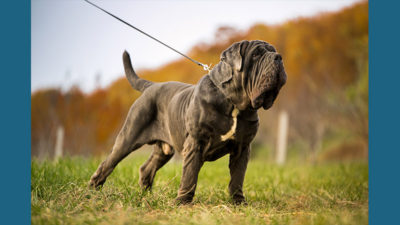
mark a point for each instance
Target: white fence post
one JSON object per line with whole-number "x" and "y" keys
{"x": 59, "y": 142}
{"x": 283, "y": 126}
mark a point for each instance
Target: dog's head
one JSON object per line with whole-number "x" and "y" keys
{"x": 250, "y": 74}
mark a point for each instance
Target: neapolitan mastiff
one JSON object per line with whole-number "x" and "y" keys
{"x": 203, "y": 122}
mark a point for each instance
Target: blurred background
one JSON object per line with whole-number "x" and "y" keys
{"x": 80, "y": 96}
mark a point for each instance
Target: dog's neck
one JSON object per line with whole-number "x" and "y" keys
{"x": 223, "y": 79}
{"x": 217, "y": 72}
{"x": 246, "y": 114}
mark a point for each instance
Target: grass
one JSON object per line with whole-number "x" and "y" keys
{"x": 328, "y": 193}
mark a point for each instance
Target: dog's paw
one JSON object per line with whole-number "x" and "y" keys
{"x": 145, "y": 185}
{"x": 145, "y": 180}
{"x": 183, "y": 200}
{"x": 94, "y": 182}
{"x": 239, "y": 201}
{"x": 92, "y": 185}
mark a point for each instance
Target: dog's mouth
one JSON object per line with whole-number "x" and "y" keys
{"x": 264, "y": 96}
{"x": 265, "y": 84}
{"x": 265, "y": 99}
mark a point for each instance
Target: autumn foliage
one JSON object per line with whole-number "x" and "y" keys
{"x": 326, "y": 60}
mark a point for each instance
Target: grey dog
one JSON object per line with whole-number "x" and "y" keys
{"x": 203, "y": 122}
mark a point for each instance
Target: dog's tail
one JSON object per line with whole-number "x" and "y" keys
{"x": 136, "y": 82}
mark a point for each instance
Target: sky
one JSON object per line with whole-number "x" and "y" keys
{"x": 74, "y": 43}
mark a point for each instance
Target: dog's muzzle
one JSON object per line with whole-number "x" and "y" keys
{"x": 265, "y": 96}
{"x": 266, "y": 99}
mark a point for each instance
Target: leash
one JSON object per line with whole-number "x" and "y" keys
{"x": 205, "y": 66}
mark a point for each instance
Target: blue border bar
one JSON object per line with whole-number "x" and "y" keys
{"x": 384, "y": 112}
{"x": 15, "y": 56}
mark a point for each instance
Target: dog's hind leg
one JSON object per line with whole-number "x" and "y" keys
{"x": 133, "y": 135}
{"x": 162, "y": 153}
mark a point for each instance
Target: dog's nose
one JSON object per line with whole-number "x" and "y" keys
{"x": 278, "y": 58}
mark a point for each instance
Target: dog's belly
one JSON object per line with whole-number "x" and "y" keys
{"x": 175, "y": 120}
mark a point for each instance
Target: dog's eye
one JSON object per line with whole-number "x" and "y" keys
{"x": 257, "y": 53}
{"x": 271, "y": 49}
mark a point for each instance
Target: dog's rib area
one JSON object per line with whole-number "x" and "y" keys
{"x": 231, "y": 132}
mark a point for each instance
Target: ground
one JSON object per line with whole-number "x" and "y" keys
{"x": 296, "y": 193}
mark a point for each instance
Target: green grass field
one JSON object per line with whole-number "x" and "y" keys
{"x": 325, "y": 193}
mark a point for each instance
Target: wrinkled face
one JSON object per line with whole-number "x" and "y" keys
{"x": 264, "y": 74}
{"x": 250, "y": 74}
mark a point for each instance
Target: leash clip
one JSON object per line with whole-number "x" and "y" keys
{"x": 206, "y": 67}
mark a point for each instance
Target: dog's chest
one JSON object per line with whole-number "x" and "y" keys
{"x": 213, "y": 120}
{"x": 235, "y": 128}
{"x": 239, "y": 132}
{"x": 230, "y": 134}
{"x": 239, "y": 129}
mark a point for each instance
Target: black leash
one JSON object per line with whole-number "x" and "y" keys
{"x": 205, "y": 67}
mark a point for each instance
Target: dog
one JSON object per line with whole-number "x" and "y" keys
{"x": 203, "y": 122}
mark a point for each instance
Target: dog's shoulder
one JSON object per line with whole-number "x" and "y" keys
{"x": 209, "y": 112}
{"x": 208, "y": 97}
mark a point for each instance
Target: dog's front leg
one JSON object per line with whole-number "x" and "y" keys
{"x": 237, "y": 165}
{"x": 192, "y": 163}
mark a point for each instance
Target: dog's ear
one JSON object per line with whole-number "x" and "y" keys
{"x": 234, "y": 55}
{"x": 231, "y": 62}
